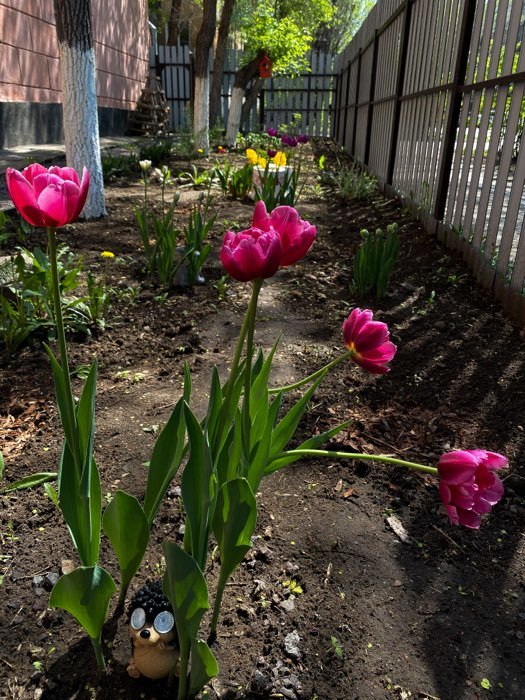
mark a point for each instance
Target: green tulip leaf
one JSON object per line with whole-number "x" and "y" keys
{"x": 2, "y": 464}
{"x": 29, "y": 481}
{"x": 86, "y": 425}
{"x": 185, "y": 587}
{"x": 286, "y": 428}
{"x": 85, "y": 593}
{"x": 313, "y": 443}
{"x": 204, "y": 666}
{"x": 199, "y": 488}
{"x": 165, "y": 460}
{"x": 127, "y": 528}
{"x": 81, "y": 512}
{"x": 234, "y": 523}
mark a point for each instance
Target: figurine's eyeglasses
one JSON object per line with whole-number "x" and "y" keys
{"x": 163, "y": 622}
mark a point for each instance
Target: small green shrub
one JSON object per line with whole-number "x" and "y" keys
{"x": 26, "y": 307}
{"x": 353, "y": 183}
{"x": 117, "y": 166}
{"x": 374, "y": 261}
{"x": 158, "y": 151}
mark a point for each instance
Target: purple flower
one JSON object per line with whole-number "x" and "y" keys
{"x": 272, "y": 132}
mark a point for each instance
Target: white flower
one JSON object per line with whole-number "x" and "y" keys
{"x": 145, "y": 165}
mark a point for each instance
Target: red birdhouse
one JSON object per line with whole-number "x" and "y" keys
{"x": 265, "y": 67}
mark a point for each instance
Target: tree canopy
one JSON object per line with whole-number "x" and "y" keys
{"x": 284, "y": 29}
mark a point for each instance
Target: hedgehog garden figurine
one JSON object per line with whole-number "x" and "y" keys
{"x": 153, "y": 633}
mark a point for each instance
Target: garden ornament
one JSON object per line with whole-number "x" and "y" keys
{"x": 152, "y": 630}
{"x": 265, "y": 66}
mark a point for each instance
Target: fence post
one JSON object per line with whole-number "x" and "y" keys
{"x": 344, "y": 105}
{"x": 451, "y": 126}
{"x": 261, "y": 109}
{"x": 371, "y": 94}
{"x": 356, "y": 103}
{"x": 400, "y": 79}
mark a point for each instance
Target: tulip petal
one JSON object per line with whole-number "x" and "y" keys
{"x": 456, "y": 467}
{"x": 65, "y": 173}
{"x": 261, "y": 220}
{"x": 82, "y": 194}
{"x": 32, "y": 171}
{"x": 23, "y": 196}
{"x": 53, "y": 202}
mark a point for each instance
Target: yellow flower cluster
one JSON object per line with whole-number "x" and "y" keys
{"x": 107, "y": 254}
{"x": 254, "y": 158}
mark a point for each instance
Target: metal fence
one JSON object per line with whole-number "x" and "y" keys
{"x": 430, "y": 98}
{"x": 309, "y": 94}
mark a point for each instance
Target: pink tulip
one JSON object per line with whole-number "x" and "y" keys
{"x": 368, "y": 341}
{"x": 53, "y": 197}
{"x": 297, "y": 236}
{"x": 251, "y": 254}
{"x": 468, "y": 485}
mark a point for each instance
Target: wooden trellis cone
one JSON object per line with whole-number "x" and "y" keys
{"x": 152, "y": 112}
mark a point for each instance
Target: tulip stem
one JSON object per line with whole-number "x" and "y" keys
{"x": 231, "y": 382}
{"x": 312, "y": 377}
{"x": 61, "y": 339}
{"x": 251, "y": 314}
{"x": 352, "y": 455}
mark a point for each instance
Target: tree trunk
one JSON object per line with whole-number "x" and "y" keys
{"x": 174, "y": 23}
{"x": 220, "y": 57}
{"x": 242, "y": 78}
{"x": 250, "y": 99}
{"x": 79, "y": 97}
{"x": 201, "y": 106}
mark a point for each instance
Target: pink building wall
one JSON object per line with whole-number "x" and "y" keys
{"x": 29, "y": 65}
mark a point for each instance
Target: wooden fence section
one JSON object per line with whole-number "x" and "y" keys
{"x": 309, "y": 95}
{"x": 430, "y": 99}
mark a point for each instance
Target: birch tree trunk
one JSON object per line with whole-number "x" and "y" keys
{"x": 219, "y": 59}
{"x": 79, "y": 97}
{"x": 201, "y": 106}
{"x": 242, "y": 78}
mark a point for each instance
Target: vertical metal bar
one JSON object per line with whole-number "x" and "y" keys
{"x": 346, "y": 102}
{"x": 356, "y": 104}
{"x": 465, "y": 36}
{"x": 401, "y": 68}
{"x": 370, "y": 115}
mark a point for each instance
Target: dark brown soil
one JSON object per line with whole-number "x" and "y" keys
{"x": 439, "y": 616}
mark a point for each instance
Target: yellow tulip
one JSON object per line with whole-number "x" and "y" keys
{"x": 279, "y": 158}
{"x": 252, "y": 156}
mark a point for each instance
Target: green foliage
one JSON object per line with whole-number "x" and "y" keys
{"x": 85, "y": 594}
{"x": 354, "y": 184}
{"x": 158, "y": 151}
{"x": 196, "y": 251}
{"x": 164, "y": 261}
{"x": 233, "y": 181}
{"x": 283, "y": 29}
{"x": 117, "y": 166}
{"x": 185, "y": 587}
{"x": 277, "y": 186}
{"x": 374, "y": 261}
{"x": 127, "y": 528}
{"x": 28, "y": 482}
{"x": 26, "y": 301}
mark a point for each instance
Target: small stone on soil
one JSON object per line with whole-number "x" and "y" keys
{"x": 291, "y": 645}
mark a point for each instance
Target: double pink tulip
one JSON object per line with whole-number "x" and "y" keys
{"x": 251, "y": 254}
{"x": 48, "y": 197}
{"x": 368, "y": 341}
{"x": 275, "y": 240}
{"x": 468, "y": 485}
